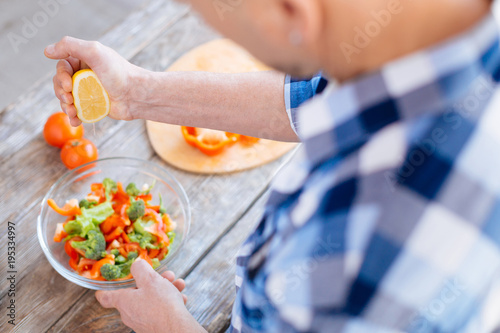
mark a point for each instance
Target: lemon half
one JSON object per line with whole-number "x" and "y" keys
{"x": 90, "y": 98}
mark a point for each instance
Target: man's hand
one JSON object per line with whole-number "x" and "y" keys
{"x": 115, "y": 73}
{"x": 156, "y": 305}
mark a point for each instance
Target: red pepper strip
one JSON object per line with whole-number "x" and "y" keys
{"x": 70, "y": 251}
{"x": 144, "y": 255}
{"x": 145, "y": 197}
{"x": 96, "y": 269}
{"x": 113, "y": 235}
{"x": 85, "y": 264}
{"x": 157, "y": 228}
{"x": 167, "y": 223}
{"x": 155, "y": 208}
{"x": 112, "y": 222}
{"x": 156, "y": 216}
{"x": 191, "y": 138}
{"x": 123, "y": 252}
{"x": 131, "y": 247}
{"x": 249, "y": 140}
{"x": 123, "y": 214}
{"x": 120, "y": 196}
{"x": 73, "y": 263}
{"x": 163, "y": 253}
{"x": 98, "y": 191}
{"x": 125, "y": 238}
{"x": 69, "y": 209}
{"x": 153, "y": 253}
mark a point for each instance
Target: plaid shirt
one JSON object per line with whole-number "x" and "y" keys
{"x": 389, "y": 218}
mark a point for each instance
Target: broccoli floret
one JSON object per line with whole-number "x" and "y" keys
{"x": 120, "y": 259}
{"x": 132, "y": 190}
{"x": 136, "y": 210}
{"x": 115, "y": 252}
{"x": 162, "y": 208}
{"x": 110, "y": 187}
{"x": 111, "y": 272}
{"x": 89, "y": 219}
{"x": 141, "y": 236}
{"x": 132, "y": 255}
{"x": 93, "y": 246}
{"x": 84, "y": 203}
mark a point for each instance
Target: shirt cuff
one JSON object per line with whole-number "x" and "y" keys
{"x": 288, "y": 104}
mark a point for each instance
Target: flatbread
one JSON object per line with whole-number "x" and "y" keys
{"x": 221, "y": 56}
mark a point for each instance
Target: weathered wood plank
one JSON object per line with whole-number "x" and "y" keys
{"x": 210, "y": 286}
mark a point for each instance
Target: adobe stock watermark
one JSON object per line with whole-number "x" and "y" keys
{"x": 224, "y": 6}
{"x": 450, "y": 293}
{"x": 364, "y": 35}
{"x": 481, "y": 91}
{"x": 48, "y": 9}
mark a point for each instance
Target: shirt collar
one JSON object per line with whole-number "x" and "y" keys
{"x": 427, "y": 82}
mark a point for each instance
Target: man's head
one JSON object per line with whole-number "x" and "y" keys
{"x": 343, "y": 37}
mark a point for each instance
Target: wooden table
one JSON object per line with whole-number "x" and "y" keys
{"x": 224, "y": 208}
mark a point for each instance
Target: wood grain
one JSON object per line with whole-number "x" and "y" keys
{"x": 46, "y": 301}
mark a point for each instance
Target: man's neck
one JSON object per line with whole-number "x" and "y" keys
{"x": 384, "y": 35}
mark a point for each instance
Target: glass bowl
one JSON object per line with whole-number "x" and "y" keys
{"x": 76, "y": 184}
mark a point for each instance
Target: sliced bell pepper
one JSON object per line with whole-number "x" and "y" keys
{"x": 69, "y": 209}
{"x": 249, "y": 140}
{"x": 210, "y": 149}
{"x": 85, "y": 264}
{"x": 114, "y": 234}
{"x": 163, "y": 253}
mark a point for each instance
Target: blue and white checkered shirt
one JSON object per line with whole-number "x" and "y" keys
{"x": 388, "y": 219}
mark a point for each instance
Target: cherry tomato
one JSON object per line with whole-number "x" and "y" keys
{"x": 58, "y": 130}
{"x": 77, "y": 152}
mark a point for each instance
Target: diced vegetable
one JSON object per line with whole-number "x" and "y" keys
{"x": 111, "y": 227}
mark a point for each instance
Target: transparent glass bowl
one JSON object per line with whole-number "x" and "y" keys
{"x": 76, "y": 184}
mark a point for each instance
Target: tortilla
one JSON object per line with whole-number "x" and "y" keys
{"x": 221, "y": 56}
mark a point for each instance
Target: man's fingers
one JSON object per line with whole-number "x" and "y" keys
{"x": 64, "y": 74}
{"x": 169, "y": 275}
{"x": 143, "y": 273}
{"x": 184, "y": 298}
{"x": 179, "y": 284}
{"x": 72, "y": 47}
{"x": 109, "y": 299}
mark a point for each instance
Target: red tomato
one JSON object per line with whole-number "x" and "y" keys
{"x": 58, "y": 130}
{"x": 77, "y": 152}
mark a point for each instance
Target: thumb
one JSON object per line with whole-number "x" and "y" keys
{"x": 107, "y": 299}
{"x": 143, "y": 273}
{"x": 83, "y": 50}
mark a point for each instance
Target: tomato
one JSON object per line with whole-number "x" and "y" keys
{"x": 77, "y": 152}
{"x": 58, "y": 130}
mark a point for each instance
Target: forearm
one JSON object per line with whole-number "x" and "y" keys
{"x": 249, "y": 103}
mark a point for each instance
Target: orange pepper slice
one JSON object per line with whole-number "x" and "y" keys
{"x": 189, "y": 134}
{"x": 114, "y": 234}
{"x": 69, "y": 209}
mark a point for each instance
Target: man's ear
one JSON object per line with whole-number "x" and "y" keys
{"x": 303, "y": 19}
{"x": 290, "y": 21}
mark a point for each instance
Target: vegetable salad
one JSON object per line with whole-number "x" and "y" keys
{"x": 106, "y": 231}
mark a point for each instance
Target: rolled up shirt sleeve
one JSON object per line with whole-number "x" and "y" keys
{"x": 298, "y": 91}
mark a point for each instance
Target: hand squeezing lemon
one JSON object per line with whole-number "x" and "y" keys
{"x": 90, "y": 98}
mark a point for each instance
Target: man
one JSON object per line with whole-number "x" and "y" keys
{"x": 389, "y": 217}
